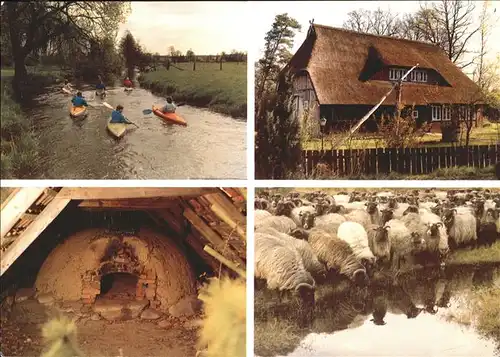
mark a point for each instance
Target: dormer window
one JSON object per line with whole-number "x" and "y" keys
{"x": 417, "y": 75}
{"x": 395, "y": 74}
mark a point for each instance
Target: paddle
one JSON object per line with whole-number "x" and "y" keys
{"x": 149, "y": 111}
{"x": 110, "y": 107}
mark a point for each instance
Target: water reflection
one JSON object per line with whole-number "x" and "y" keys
{"x": 212, "y": 146}
{"x": 386, "y": 318}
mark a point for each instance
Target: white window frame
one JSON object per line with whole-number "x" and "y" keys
{"x": 395, "y": 74}
{"x": 418, "y": 75}
{"x": 414, "y": 114}
{"x": 440, "y": 113}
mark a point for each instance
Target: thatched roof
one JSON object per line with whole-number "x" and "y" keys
{"x": 217, "y": 216}
{"x": 340, "y": 63}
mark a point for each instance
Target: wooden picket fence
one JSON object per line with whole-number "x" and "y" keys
{"x": 409, "y": 161}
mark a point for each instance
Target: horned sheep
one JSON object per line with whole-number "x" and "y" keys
{"x": 337, "y": 255}
{"x": 309, "y": 259}
{"x": 461, "y": 227}
{"x": 282, "y": 268}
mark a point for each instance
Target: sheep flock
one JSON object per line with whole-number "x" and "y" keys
{"x": 306, "y": 239}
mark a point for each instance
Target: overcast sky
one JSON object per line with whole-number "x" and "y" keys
{"x": 334, "y": 13}
{"x": 204, "y": 27}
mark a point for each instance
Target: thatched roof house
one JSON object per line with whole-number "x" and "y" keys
{"x": 341, "y": 74}
{"x": 73, "y": 243}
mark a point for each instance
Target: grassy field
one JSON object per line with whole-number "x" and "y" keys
{"x": 19, "y": 153}
{"x": 487, "y": 134}
{"x": 476, "y": 256}
{"x": 221, "y": 91}
{"x": 452, "y": 173}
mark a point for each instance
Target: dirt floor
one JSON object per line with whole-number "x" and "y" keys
{"x": 21, "y": 334}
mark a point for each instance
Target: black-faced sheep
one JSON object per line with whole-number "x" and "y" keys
{"x": 373, "y": 211}
{"x": 355, "y": 235}
{"x": 487, "y": 234}
{"x": 309, "y": 259}
{"x": 282, "y": 268}
{"x": 337, "y": 255}
{"x": 461, "y": 228}
{"x": 379, "y": 243}
{"x": 435, "y": 236}
{"x": 404, "y": 244}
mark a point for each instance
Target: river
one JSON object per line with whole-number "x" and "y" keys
{"x": 212, "y": 146}
{"x": 425, "y": 314}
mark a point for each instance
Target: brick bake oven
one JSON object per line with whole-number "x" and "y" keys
{"x": 130, "y": 245}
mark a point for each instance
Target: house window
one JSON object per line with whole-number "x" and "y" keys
{"x": 414, "y": 114}
{"x": 441, "y": 113}
{"x": 395, "y": 74}
{"x": 418, "y": 75}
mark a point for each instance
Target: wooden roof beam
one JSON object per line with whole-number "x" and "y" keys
{"x": 32, "y": 232}
{"x": 114, "y": 193}
{"x": 17, "y": 204}
{"x": 210, "y": 235}
{"x": 227, "y": 212}
{"x": 131, "y": 203}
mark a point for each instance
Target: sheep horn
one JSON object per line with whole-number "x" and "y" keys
{"x": 439, "y": 224}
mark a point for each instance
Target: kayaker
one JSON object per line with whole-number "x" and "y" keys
{"x": 67, "y": 85}
{"x": 117, "y": 116}
{"x": 100, "y": 86}
{"x": 127, "y": 83}
{"x": 79, "y": 101}
{"x": 170, "y": 107}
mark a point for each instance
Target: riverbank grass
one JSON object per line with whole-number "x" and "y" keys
{"x": 19, "y": 145}
{"x": 208, "y": 87}
{"x": 276, "y": 334}
{"x": 475, "y": 256}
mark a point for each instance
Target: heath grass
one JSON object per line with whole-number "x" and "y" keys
{"x": 208, "y": 87}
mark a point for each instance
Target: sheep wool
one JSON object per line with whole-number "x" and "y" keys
{"x": 280, "y": 223}
{"x": 462, "y": 227}
{"x": 260, "y": 214}
{"x": 378, "y": 241}
{"x": 337, "y": 255}
{"x": 359, "y": 216}
{"x": 355, "y": 235}
{"x": 329, "y": 222}
{"x": 309, "y": 259}
{"x": 279, "y": 265}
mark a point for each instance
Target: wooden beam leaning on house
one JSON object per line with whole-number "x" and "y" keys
{"x": 114, "y": 193}
{"x": 16, "y": 205}
{"x": 32, "y": 232}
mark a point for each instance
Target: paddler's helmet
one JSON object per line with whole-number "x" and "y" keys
{"x": 79, "y": 94}
{"x": 119, "y": 107}
{"x": 169, "y": 99}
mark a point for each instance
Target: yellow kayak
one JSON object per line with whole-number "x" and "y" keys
{"x": 78, "y": 112}
{"x": 117, "y": 129}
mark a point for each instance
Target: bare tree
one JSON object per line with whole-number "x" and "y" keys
{"x": 449, "y": 24}
{"x": 378, "y": 22}
{"x": 408, "y": 29}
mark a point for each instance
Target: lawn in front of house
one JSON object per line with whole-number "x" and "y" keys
{"x": 487, "y": 134}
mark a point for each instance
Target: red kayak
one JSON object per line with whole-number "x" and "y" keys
{"x": 170, "y": 118}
